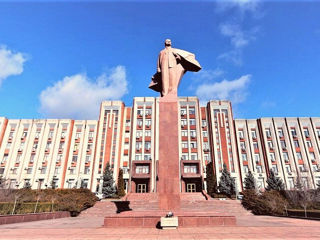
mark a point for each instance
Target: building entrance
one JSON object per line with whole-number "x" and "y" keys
{"x": 141, "y": 188}
{"x": 191, "y": 187}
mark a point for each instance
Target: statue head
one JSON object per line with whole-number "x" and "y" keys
{"x": 167, "y": 42}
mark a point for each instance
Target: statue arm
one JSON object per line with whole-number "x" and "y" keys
{"x": 159, "y": 64}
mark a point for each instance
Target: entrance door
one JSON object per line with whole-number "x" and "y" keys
{"x": 141, "y": 188}
{"x": 191, "y": 187}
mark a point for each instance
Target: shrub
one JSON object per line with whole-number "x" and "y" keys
{"x": 266, "y": 203}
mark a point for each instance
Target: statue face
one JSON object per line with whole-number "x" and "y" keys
{"x": 167, "y": 42}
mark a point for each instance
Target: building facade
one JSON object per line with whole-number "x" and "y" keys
{"x": 66, "y": 153}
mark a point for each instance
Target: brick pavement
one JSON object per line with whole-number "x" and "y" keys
{"x": 249, "y": 227}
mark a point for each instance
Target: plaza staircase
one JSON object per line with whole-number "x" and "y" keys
{"x": 190, "y": 202}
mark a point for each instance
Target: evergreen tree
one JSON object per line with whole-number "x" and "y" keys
{"x": 211, "y": 180}
{"x": 249, "y": 182}
{"x": 226, "y": 183}
{"x": 108, "y": 189}
{"x": 120, "y": 188}
{"x": 274, "y": 183}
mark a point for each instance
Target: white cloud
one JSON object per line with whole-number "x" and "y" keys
{"x": 10, "y": 63}
{"x": 238, "y": 40}
{"x": 79, "y": 97}
{"x": 205, "y": 75}
{"x": 250, "y": 6}
{"x": 234, "y": 90}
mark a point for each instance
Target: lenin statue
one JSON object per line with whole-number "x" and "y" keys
{"x": 171, "y": 65}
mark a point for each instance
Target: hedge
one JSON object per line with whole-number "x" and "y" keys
{"x": 72, "y": 200}
{"x": 23, "y": 208}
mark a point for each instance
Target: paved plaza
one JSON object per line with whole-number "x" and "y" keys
{"x": 248, "y": 227}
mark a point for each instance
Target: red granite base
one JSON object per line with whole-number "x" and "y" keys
{"x": 151, "y": 219}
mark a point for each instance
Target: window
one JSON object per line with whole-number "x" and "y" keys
{"x": 283, "y": 144}
{"x": 306, "y": 132}
{"x": 18, "y": 158}
{"x": 148, "y": 112}
{"x": 299, "y": 156}
{"x": 204, "y": 123}
{"x": 315, "y": 168}
{"x": 37, "y": 134}
{"x": 8, "y": 145}
{"x": 48, "y": 145}
{"x": 140, "y": 112}
{"x": 148, "y": 122}
{"x": 253, "y": 134}
{"x": 74, "y": 158}
{"x": 285, "y": 156}
{"x": 63, "y": 134}
{"x": 147, "y": 157}
{"x": 312, "y": 156}
{"x": 32, "y": 158}
{"x": 139, "y": 134}
{"x": 61, "y": 145}
{"x": 191, "y": 110}
{"x": 5, "y": 158}
{"x": 270, "y": 145}
{"x": 259, "y": 169}
{"x": 185, "y": 157}
{"x": 309, "y": 144}
{"x": 56, "y": 170}
{"x": 138, "y": 157}
{"x": 205, "y": 133}
{"x": 257, "y": 158}
{"x": 296, "y": 143}
{"x": 245, "y": 169}
{"x": 43, "y": 170}
{"x": 192, "y": 122}
{"x": 71, "y": 170}
{"x": 184, "y": 144}
{"x": 194, "y": 157}
{"x": 184, "y": 133}
{"x": 242, "y": 146}
{"x": 275, "y": 169}
{"x": 193, "y": 145}
{"x": 293, "y": 132}
{"x": 268, "y": 132}
{"x": 183, "y": 122}
{"x": 86, "y": 170}
{"x": 190, "y": 169}
{"x": 255, "y": 145}
{"x": 205, "y": 146}
{"x": 29, "y": 170}
{"x": 139, "y": 122}
{"x": 24, "y": 134}
{"x": 291, "y": 183}
{"x": 147, "y": 133}
{"x": 183, "y": 111}
{"x": 138, "y": 145}
{"x": 147, "y": 145}
{"x": 302, "y": 168}
{"x": 70, "y": 183}
{"x": 288, "y": 168}
{"x": 142, "y": 169}
{"x": 244, "y": 157}
{"x": 50, "y": 134}
{"x": 280, "y": 132}
{"x": 78, "y": 135}
{"x": 240, "y": 134}
{"x": 193, "y": 133}
{"x": 272, "y": 157}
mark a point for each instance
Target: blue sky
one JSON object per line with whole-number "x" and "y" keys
{"x": 60, "y": 59}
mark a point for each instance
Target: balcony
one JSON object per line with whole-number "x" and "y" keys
{"x": 195, "y": 163}
{"x": 144, "y": 173}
